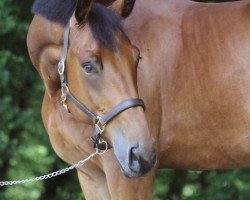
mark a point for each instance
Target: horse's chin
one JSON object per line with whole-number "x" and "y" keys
{"x": 132, "y": 175}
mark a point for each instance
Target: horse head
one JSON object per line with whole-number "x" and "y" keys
{"x": 101, "y": 73}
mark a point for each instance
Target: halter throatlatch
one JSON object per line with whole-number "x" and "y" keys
{"x": 99, "y": 122}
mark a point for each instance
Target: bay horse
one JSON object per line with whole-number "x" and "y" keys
{"x": 188, "y": 61}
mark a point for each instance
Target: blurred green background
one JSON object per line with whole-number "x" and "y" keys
{"x": 26, "y": 152}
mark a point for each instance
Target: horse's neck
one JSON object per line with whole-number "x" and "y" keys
{"x": 149, "y": 13}
{"x": 169, "y": 68}
{"x": 45, "y": 41}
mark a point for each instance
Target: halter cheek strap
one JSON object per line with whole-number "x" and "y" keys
{"x": 100, "y": 122}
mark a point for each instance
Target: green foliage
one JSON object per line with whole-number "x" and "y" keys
{"x": 213, "y": 185}
{"x": 24, "y": 147}
{"x": 26, "y": 152}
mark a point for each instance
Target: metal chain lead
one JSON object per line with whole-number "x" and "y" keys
{"x": 53, "y": 174}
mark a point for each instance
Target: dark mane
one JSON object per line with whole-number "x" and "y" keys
{"x": 58, "y": 11}
{"x": 104, "y": 23}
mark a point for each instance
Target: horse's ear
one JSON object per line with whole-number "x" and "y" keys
{"x": 123, "y": 7}
{"x": 82, "y": 10}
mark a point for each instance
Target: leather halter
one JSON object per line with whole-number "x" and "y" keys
{"x": 99, "y": 121}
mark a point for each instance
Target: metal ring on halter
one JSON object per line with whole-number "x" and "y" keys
{"x": 61, "y": 67}
{"x": 100, "y": 152}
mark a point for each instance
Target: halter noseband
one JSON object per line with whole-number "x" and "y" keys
{"x": 99, "y": 121}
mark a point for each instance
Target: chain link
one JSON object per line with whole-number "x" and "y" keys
{"x": 53, "y": 174}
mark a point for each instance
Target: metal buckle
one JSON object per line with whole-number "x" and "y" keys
{"x": 99, "y": 125}
{"x": 64, "y": 91}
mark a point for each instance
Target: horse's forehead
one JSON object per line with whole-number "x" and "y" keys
{"x": 82, "y": 40}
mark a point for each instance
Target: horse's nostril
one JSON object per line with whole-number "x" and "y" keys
{"x": 134, "y": 159}
{"x": 134, "y": 154}
{"x": 138, "y": 163}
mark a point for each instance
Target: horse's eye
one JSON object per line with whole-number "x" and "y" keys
{"x": 89, "y": 68}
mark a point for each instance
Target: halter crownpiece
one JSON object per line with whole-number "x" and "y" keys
{"x": 99, "y": 122}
